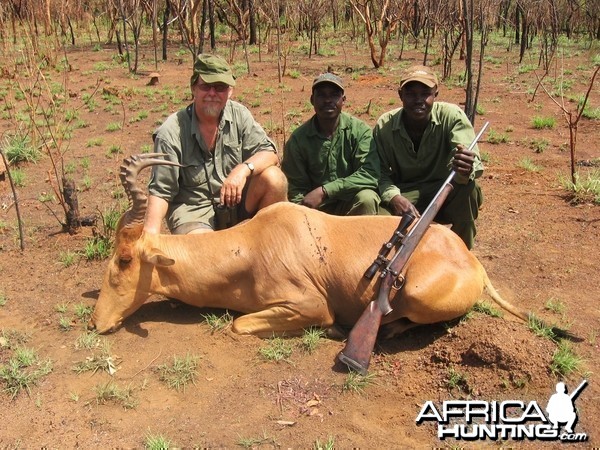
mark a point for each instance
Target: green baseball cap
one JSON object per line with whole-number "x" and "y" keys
{"x": 212, "y": 69}
{"x": 328, "y": 77}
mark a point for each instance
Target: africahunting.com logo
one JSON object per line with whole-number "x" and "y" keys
{"x": 472, "y": 420}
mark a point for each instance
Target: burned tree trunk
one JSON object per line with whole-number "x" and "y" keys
{"x": 73, "y": 222}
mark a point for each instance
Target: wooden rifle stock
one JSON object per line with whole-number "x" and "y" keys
{"x": 361, "y": 340}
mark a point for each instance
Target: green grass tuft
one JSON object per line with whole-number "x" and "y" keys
{"x": 181, "y": 372}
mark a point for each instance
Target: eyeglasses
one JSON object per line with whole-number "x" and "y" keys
{"x": 218, "y": 87}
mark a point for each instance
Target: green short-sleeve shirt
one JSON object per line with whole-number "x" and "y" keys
{"x": 344, "y": 164}
{"x": 186, "y": 188}
{"x": 404, "y": 168}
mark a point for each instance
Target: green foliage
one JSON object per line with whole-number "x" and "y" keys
{"x": 22, "y": 370}
{"x": 218, "y": 322}
{"x": 61, "y": 308}
{"x": 181, "y": 372}
{"x": 357, "y": 383}
{"x": 97, "y": 248}
{"x": 94, "y": 142}
{"x": 139, "y": 117}
{"x": 539, "y": 145}
{"x": 328, "y": 445}
{"x": 539, "y": 328}
{"x": 157, "y": 442}
{"x": 277, "y": 349}
{"x": 70, "y": 167}
{"x": 493, "y": 137}
{"x": 585, "y": 189}
{"x": 565, "y": 360}
{"x": 528, "y": 165}
{"x": 87, "y": 340}
{"x": 487, "y": 309}
{"x": 11, "y": 339}
{"x": 526, "y": 68}
{"x": 555, "y": 305}
{"x": 18, "y": 177}
{"x": 540, "y": 123}
{"x": 312, "y": 338}
{"x": 85, "y": 163}
{"x": 86, "y": 182}
{"x": 457, "y": 380}
{"x": 114, "y": 126}
{"x": 114, "y": 150}
{"x": 591, "y": 113}
{"x": 65, "y": 323}
{"x": 3, "y": 299}
{"x": 18, "y": 148}
{"x": 83, "y": 312}
{"x": 111, "y": 392}
{"x": 102, "y": 361}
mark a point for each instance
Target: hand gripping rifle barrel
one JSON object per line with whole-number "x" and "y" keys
{"x": 361, "y": 340}
{"x": 398, "y": 236}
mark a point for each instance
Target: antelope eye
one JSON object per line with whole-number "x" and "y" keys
{"x": 124, "y": 260}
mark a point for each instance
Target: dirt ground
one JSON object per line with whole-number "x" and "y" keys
{"x": 538, "y": 248}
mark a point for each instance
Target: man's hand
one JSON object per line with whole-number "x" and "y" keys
{"x": 401, "y": 205}
{"x": 463, "y": 161}
{"x": 231, "y": 191}
{"x": 314, "y": 198}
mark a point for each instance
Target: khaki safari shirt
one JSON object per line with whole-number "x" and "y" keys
{"x": 186, "y": 188}
{"x": 404, "y": 168}
{"x": 343, "y": 165}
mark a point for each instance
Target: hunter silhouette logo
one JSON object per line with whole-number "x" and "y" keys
{"x": 561, "y": 406}
{"x": 472, "y": 420}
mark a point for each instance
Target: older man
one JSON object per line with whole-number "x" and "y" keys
{"x": 419, "y": 145}
{"x": 229, "y": 165}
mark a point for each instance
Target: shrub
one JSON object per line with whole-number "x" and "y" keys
{"x": 19, "y": 149}
{"x": 540, "y": 123}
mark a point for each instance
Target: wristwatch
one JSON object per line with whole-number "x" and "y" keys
{"x": 250, "y": 166}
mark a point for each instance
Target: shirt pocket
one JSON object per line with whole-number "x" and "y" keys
{"x": 193, "y": 175}
{"x": 231, "y": 155}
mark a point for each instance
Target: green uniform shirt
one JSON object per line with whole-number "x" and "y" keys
{"x": 186, "y": 188}
{"x": 405, "y": 169}
{"x": 344, "y": 164}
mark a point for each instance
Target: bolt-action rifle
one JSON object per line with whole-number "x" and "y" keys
{"x": 361, "y": 340}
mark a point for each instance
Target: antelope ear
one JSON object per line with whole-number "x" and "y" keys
{"x": 158, "y": 258}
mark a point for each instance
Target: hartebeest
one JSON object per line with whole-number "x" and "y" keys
{"x": 288, "y": 268}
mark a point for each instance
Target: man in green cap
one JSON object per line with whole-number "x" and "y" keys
{"x": 330, "y": 160}
{"x": 229, "y": 165}
{"x": 419, "y": 145}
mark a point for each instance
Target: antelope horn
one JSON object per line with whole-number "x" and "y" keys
{"x": 130, "y": 169}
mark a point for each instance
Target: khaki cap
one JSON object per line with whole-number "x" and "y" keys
{"x": 422, "y": 74}
{"x": 328, "y": 77}
{"x": 212, "y": 69}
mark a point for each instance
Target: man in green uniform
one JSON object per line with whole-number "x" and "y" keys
{"x": 330, "y": 161}
{"x": 419, "y": 145}
{"x": 227, "y": 158}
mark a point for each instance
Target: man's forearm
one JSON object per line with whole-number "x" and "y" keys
{"x": 155, "y": 213}
{"x": 262, "y": 160}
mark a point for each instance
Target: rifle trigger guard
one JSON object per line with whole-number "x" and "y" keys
{"x": 399, "y": 282}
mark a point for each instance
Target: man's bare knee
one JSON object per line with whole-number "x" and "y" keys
{"x": 268, "y": 187}
{"x": 275, "y": 178}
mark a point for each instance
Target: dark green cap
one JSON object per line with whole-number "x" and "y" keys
{"x": 212, "y": 69}
{"x": 328, "y": 77}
